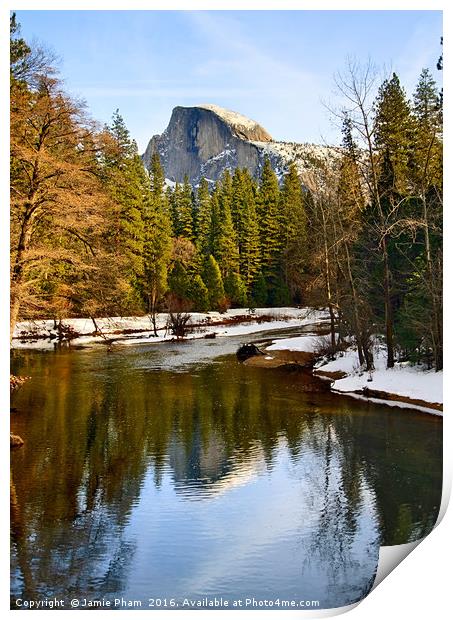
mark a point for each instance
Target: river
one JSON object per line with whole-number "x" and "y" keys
{"x": 170, "y": 472}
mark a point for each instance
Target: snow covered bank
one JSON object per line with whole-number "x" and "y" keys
{"x": 305, "y": 344}
{"x": 404, "y": 380}
{"x": 42, "y": 334}
{"x": 403, "y": 386}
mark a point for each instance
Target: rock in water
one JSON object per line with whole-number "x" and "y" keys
{"x": 16, "y": 382}
{"x": 247, "y": 350}
{"x": 16, "y": 441}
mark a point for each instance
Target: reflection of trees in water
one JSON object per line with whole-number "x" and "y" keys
{"x": 99, "y": 425}
{"x": 335, "y": 541}
{"x": 400, "y": 456}
{"x": 72, "y": 472}
{"x": 380, "y": 466}
{"x": 80, "y": 557}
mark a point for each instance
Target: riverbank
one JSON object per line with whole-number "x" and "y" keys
{"x": 45, "y": 334}
{"x": 404, "y": 385}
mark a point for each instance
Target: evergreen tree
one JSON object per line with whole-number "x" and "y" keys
{"x": 294, "y": 232}
{"x": 125, "y": 179}
{"x": 393, "y": 134}
{"x": 204, "y": 217}
{"x": 427, "y": 147}
{"x": 212, "y": 277}
{"x": 388, "y": 137}
{"x": 215, "y": 221}
{"x": 269, "y": 220}
{"x": 259, "y": 295}
{"x": 394, "y": 137}
{"x": 174, "y": 199}
{"x": 157, "y": 179}
{"x": 226, "y": 250}
{"x": 352, "y": 290}
{"x": 179, "y": 282}
{"x": 185, "y": 211}
{"x": 237, "y": 203}
{"x": 235, "y": 289}
{"x": 28, "y": 63}
{"x": 157, "y": 243}
{"x": 246, "y": 226}
{"x": 424, "y": 303}
{"x": 199, "y": 294}
{"x": 19, "y": 51}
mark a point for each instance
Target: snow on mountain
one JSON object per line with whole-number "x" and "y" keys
{"x": 205, "y": 140}
{"x": 234, "y": 119}
{"x": 306, "y": 157}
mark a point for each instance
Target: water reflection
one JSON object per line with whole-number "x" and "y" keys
{"x": 140, "y": 479}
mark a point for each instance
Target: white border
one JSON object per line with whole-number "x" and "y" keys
{"x": 419, "y": 587}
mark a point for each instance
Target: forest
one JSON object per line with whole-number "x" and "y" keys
{"x": 94, "y": 234}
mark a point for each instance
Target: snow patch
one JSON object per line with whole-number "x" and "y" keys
{"x": 396, "y": 403}
{"x": 403, "y": 380}
{"x": 307, "y": 344}
{"x": 232, "y": 118}
{"x": 37, "y": 334}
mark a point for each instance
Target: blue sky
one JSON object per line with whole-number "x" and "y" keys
{"x": 273, "y": 66}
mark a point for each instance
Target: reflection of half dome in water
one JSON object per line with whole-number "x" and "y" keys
{"x": 207, "y": 470}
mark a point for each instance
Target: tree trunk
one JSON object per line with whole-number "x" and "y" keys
{"x": 17, "y": 277}
{"x": 328, "y": 283}
{"x": 153, "y": 311}
{"x": 433, "y": 292}
{"x": 14, "y": 311}
{"x": 374, "y": 187}
{"x": 388, "y": 308}
{"x": 356, "y": 318}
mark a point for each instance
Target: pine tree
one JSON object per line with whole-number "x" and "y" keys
{"x": 19, "y": 51}
{"x": 215, "y": 221}
{"x": 393, "y": 139}
{"x": 269, "y": 220}
{"x": 246, "y": 224}
{"x": 125, "y": 179}
{"x": 227, "y": 253}
{"x": 157, "y": 242}
{"x": 347, "y": 217}
{"x": 237, "y": 201}
{"x": 235, "y": 290}
{"x": 199, "y": 294}
{"x": 185, "y": 211}
{"x": 426, "y": 297}
{"x": 294, "y": 232}
{"x": 427, "y": 146}
{"x": 393, "y": 134}
{"x": 157, "y": 178}
{"x": 204, "y": 218}
{"x": 174, "y": 198}
{"x": 179, "y": 282}
{"x": 259, "y": 295}
{"x": 212, "y": 277}
{"x": 28, "y": 63}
